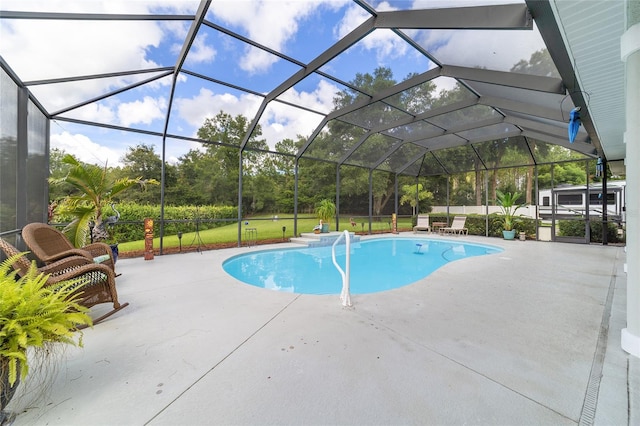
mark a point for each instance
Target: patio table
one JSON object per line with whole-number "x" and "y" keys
{"x": 435, "y": 226}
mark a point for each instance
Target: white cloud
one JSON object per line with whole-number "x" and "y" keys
{"x": 200, "y": 52}
{"x": 283, "y": 122}
{"x": 101, "y": 6}
{"x": 283, "y": 18}
{"x": 496, "y": 50}
{"x": 85, "y": 149}
{"x": 384, "y": 6}
{"x": 256, "y": 61}
{"x": 354, "y": 16}
{"x": 384, "y": 42}
{"x": 125, "y": 114}
{"x": 321, "y": 99}
{"x": 142, "y": 112}
{"x": 92, "y": 45}
{"x": 208, "y": 104}
{"x": 88, "y": 43}
{"x": 469, "y": 48}
{"x": 278, "y": 122}
{"x": 101, "y": 113}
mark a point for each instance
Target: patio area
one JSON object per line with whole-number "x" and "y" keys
{"x": 527, "y": 336}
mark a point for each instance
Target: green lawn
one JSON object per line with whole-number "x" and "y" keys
{"x": 267, "y": 229}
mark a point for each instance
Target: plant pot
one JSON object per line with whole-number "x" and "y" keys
{"x": 6, "y": 391}
{"x": 114, "y": 251}
{"x": 509, "y": 235}
{"x": 325, "y": 228}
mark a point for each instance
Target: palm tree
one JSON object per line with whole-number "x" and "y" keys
{"x": 95, "y": 189}
{"x": 326, "y": 210}
{"x": 508, "y": 203}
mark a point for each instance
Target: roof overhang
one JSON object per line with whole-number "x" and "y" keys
{"x": 584, "y": 41}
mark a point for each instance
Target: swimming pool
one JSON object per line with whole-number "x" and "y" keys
{"x": 376, "y": 265}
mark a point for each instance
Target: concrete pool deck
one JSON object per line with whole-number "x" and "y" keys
{"x": 527, "y": 336}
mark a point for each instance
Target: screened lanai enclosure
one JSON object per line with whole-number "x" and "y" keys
{"x": 363, "y": 102}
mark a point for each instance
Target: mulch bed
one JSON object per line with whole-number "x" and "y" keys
{"x": 217, "y": 246}
{"x": 191, "y": 249}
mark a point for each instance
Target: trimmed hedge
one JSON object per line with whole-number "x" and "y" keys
{"x": 477, "y": 224}
{"x": 576, "y": 228}
{"x": 177, "y": 218}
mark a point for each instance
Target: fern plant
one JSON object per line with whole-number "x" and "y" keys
{"x": 33, "y": 314}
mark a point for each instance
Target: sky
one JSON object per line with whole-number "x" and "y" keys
{"x": 300, "y": 29}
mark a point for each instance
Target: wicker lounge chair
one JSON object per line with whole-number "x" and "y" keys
{"x": 49, "y": 245}
{"x": 98, "y": 283}
{"x": 457, "y": 227}
{"x": 422, "y": 224}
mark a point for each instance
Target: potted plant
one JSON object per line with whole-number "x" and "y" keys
{"x": 95, "y": 189}
{"x": 326, "y": 210}
{"x": 32, "y": 315}
{"x": 508, "y": 204}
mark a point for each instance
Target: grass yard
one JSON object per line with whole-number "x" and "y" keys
{"x": 267, "y": 228}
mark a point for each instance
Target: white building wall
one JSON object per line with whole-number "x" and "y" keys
{"x": 527, "y": 211}
{"x": 630, "y": 49}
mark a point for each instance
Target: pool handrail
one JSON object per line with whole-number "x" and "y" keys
{"x": 345, "y": 295}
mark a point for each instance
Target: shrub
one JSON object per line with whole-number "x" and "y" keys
{"x": 576, "y": 228}
{"x": 477, "y": 224}
{"x": 177, "y": 218}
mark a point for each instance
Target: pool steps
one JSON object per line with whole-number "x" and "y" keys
{"x": 311, "y": 239}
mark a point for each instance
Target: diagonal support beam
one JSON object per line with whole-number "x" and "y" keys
{"x": 425, "y": 115}
{"x": 462, "y": 128}
{"x": 498, "y": 17}
{"x": 453, "y": 130}
{"x": 584, "y": 148}
{"x": 311, "y": 138}
{"x": 409, "y": 163}
{"x": 113, "y": 93}
{"x": 559, "y": 131}
{"x": 522, "y": 107}
{"x": 502, "y": 78}
{"x": 96, "y": 76}
{"x": 203, "y": 7}
{"x": 349, "y": 40}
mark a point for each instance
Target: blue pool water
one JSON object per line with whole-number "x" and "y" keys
{"x": 376, "y": 265}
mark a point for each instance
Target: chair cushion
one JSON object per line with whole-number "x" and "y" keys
{"x": 101, "y": 259}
